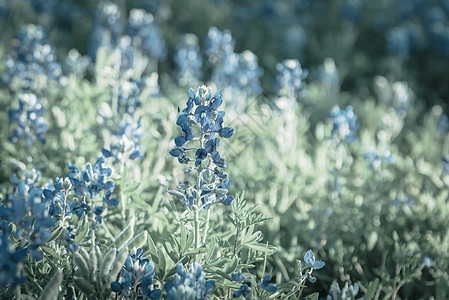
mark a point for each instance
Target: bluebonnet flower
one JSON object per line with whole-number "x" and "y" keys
{"x": 106, "y": 28}
{"x": 201, "y": 111}
{"x": 136, "y": 278}
{"x": 54, "y": 194}
{"x": 145, "y": 34}
{"x": 188, "y": 60}
{"x": 219, "y": 45}
{"x": 29, "y": 117}
{"x": 309, "y": 259}
{"x": 91, "y": 182}
{"x": 348, "y": 292}
{"x": 9, "y": 258}
{"x": 31, "y": 65}
{"x": 126, "y": 141}
{"x": 189, "y": 284}
{"x": 344, "y": 126}
{"x": 69, "y": 236}
{"x": 376, "y": 159}
{"x": 239, "y": 73}
{"x": 267, "y": 286}
{"x": 290, "y": 78}
{"x": 28, "y": 210}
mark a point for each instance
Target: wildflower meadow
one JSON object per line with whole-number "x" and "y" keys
{"x": 221, "y": 149}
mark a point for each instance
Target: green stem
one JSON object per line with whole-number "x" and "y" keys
{"x": 206, "y": 226}
{"x": 197, "y": 226}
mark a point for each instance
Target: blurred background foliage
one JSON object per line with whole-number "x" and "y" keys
{"x": 366, "y": 216}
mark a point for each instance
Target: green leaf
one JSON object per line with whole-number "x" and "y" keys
{"x": 371, "y": 291}
{"x": 124, "y": 236}
{"x": 152, "y": 248}
{"x": 51, "y": 252}
{"x": 313, "y": 296}
{"x": 130, "y": 188}
{"x": 56, "y": 234}
{"x": 82, "y": 230}
{"x": 261, "y": 247}
{"x": 51, "y": 290}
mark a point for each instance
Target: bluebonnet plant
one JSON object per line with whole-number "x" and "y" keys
{"x": 106, "y": 28}
{"x": 290, "y": 78}
{"x": 376, "y": 159}
{"x": 188, "y": 60}
{"x": 91, "y": 182}
{"x": 27, "y": 209}
{"x": 29, "y": 117}
{"x": 32, "y": 63}
{"x": 239, "y": 73}
{"x": 202, "y": 113}
{"x": 145, "y": 34}
{"x": 344, "y": 127}
{"x": 136, "y": 278}
{"x": 219, "y": 45}
{"x": 189, "y": 285}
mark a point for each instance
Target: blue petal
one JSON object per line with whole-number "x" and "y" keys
{"x": 309, "y": 258}
{"x": 226, "y": 132}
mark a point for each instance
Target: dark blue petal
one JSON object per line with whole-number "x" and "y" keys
{"x": 106, "y": 152}
{"x": 180, "y": 141}
{"x": 226, "y": 132}
{"x": 175, "y": 152}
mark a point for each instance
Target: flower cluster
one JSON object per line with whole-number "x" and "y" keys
{"x": 188, "y": 60}
{"x": 106, "y": 28}
{"x": 348, "y": 292}
{"x": 239, "y": 73}
{"x": 244, "y": 289}
{"x": 189, "y": 284}
{"x": 136, "y": 278}
{"x": 145, "y": 34}
{"x": 29, "y": 117}
{"x": 27, "y": 209}
{"x": 290, "y": 78}
{"x": 91, "y": 182}
{"x": 344, "y": 127}
{"x": 31, "y": 65}
{"x": 376, "y": 159}
{"x": 201, "y": 112}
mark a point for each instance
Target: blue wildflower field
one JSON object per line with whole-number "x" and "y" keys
{"x": 221, "y": 149}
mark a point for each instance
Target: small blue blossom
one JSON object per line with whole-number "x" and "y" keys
{"x": 428, "y": 262}
{"x": 244, "y": 291}
{"x": 375, "y": 159}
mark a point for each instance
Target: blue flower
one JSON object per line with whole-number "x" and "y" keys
{"x": 188, "y": 60}
{"x": 290, "y": 78}
{"x": 137, "y": 271}
{"x": 267, "y": 286}
{"x": 189, "y": 284}
{"x": 309, "y": 259}
{"x": 344, "y": 127}
{"x": 29, "y": 118}
{"x": 243, "y": 291}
